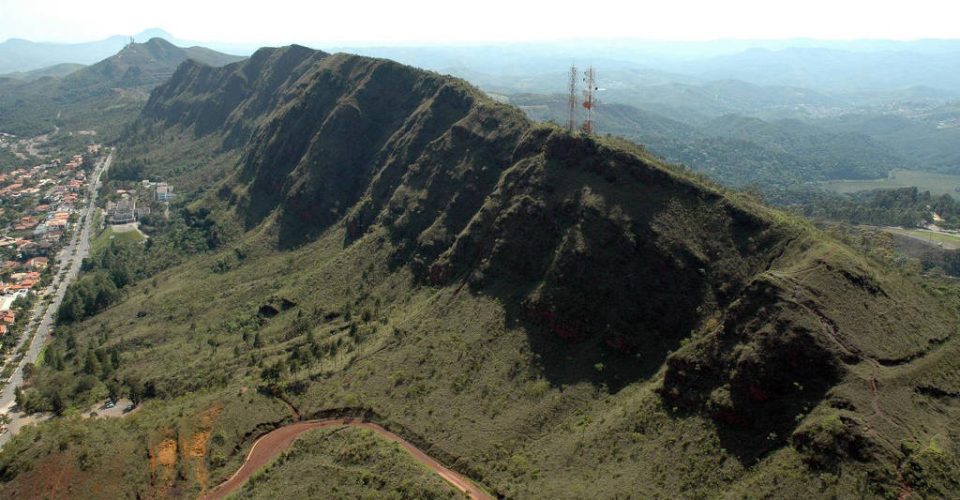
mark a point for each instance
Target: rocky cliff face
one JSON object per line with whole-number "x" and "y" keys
{"x": 593, "y": 242}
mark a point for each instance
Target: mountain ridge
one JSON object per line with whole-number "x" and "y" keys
{"x": 452, "y": 246}
{"x": 559, "y": 315}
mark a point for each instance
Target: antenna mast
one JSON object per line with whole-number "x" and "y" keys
{"x": 572, "y": 102}
{"x": 589, "y": 102}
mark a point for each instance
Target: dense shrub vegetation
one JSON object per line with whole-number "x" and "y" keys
{"x": 908, "y": 207}
{"x": 121, "y": 262}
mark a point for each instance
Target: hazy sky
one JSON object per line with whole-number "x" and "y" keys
{"x": 321, "y": 21}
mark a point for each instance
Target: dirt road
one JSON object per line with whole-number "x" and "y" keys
{"x": 272, "y": 444}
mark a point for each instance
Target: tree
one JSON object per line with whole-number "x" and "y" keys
{"x": 71, "y": 309}
{"x": 113, "y": 389}
{"x": 115, "y": 358}
{"x": 18, "y": 397}
{"x": 274, "y": 373}
{"x": 91, "y": 366}
{"x": 55, "y": 359}
{"x": 57, "y": 403}
{"x": 135, "y": 388}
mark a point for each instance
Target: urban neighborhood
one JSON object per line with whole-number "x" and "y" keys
{"x": 39, "y": 208}
{"x": 49, "y": 221}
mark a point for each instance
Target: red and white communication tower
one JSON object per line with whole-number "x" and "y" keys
{"x": 589, "y": 100}
{"x": 572, "y": 121}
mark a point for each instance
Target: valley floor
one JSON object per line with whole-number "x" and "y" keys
{"x": 934, "y": 182}
{"x": 947, "y": 241}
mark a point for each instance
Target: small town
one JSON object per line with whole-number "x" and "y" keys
{"x": 39, "y": 208}
{"x": 43, "y": 211}
{"x": 49, "y": 218}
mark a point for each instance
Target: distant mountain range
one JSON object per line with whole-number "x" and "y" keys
{"x": 102, "y": 95}
{"x": 822, "y": 66}
{"x": 836, "y": 70}
{"x": 19, "y": 56}
{"x": 834, "y": 66}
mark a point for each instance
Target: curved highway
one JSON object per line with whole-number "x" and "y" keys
{"x": 270, "y": 445}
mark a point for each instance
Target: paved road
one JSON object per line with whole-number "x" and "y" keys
{"x": 70, "y": 258}
{"x": 275, "y": 442}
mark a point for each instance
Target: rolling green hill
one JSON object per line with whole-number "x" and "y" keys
{"x": 55, "y": 71}
{"x": 737, "y": 150}
{"x": 931, "y": 139}
{"x": 551, "y": 314}
{"x": 100, "y": 96}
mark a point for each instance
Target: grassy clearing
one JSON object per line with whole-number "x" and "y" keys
{"x": 109, "y": 233}
{"x": 936, "y": 183}
{"x": 949, "y": 241}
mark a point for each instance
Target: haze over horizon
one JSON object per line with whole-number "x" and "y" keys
{"x": 433, "y": 21}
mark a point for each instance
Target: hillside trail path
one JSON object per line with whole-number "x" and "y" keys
{"x": 272, "y": 444}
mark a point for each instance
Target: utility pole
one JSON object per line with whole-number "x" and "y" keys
{"x": 572, "y": 101}
{"x": 589, "y": 100}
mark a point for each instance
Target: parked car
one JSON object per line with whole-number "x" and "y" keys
{"x": 129, "y": 408}
{"x": 108, "y": 405}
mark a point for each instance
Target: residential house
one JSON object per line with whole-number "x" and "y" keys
{"x": 25, "y": 281}
{"x": 50, "y": 238}
{"x": 29, "y": 249}
{"x": 26, "y": 222}
{"x": 164, "y": 192}
{"x": 38, "y": 263}
{"x": 122, "y": 212}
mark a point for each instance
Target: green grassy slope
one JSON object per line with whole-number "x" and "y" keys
{"x": 920, "y": 137}
{"x": 554, "y": 316}
{"x": 57, "y": 70}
